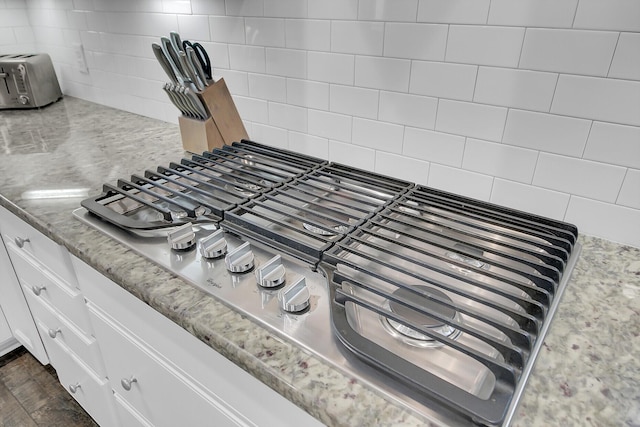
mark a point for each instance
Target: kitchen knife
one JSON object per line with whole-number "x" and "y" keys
{"x": 175, "y": 41}
{"x": 193, "y": 111}
{"x": 157, "y": 51}
{"x": 173, "y": 62}
{"x": 202, "y": 111}
{"x": 201, "y": 54}
{"x": 190, "y": 72}
{"x": 191, "y": 55}
{"x": 176, "y": 100}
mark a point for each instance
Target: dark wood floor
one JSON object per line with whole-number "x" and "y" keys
{"x": 31, "y": 396}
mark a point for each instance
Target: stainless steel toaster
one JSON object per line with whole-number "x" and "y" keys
{"x": 27, "y": 81}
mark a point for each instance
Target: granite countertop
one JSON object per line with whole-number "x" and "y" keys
{"x": 586, "y": 374}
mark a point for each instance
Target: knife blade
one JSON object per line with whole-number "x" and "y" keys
{"x": 202, "y": 111}
{"x": 185, "y": 63}
{"x": 173, "y": 62}
{"x": 175, "y": 41}
{"x": 191, "y": 55}
{"x": 159, "y": 54}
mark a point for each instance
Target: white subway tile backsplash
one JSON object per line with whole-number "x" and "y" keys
{"x": 127, "y": 5}
{"x": 194, "y": 27}
{"x": 285, "y": 8}
{"x": 309, "y": 145}
{"x": 333, "y": 9}
{"x": 331, "y": 67}
{"x": 378, "y": 135}
{"x": 442, "y": 80}
{"x": 382, "y": 73}
{"x": 402, "y": 167}
{"x": 252, "y": 109}
{"x": 288, "y": 116}
{"x": 483, "y": 45}
{"x": 460, "y": 181}
{"x": 388, "y": 10}
{"x": 267, "y": 87}
{"x": 22, "y": 35}
{"x": 630, "y": 192}
{"x": 626, "y": 60}
{"x": 176, "y": 6}
{"x": 97, "y": 21}
{"x": 546, "y": 132}
{"x": 568, "y": 51}
{"x": 236, "y": 81}
{"x": 548, "y": 203}
{"x": 76, "y": 19}
{"x": 354, "y": 101}
{"x": 276, "y": 137}
{"x": 305, "y": 93}
{"x": 148, "y": 24}
{"x": 598, "y": 98}
{"x": 36, "y": 18}
{"x": 7, "y": 37}
{"x": 358, "y": 37}
{"x": 330, "y": 125}
{"x": 617, "y": 223}
{"x": 581, "y": 177}
{"x": 208, "y": 7}
{"x": 287, "y": 62}
{"x": 453, "y": 11}
{"x": 433, "y": 146}
{"x": 245, "y": 8}
{"x": 618, "y": 15}
{"x": 405, "y": 109}
{"x": 505, "y": 161}
{"x": 218, "y": 54}
{"x": 352, "y": 155}
{"x": 415, "y": 41}
{"x": 308, "y": 34}
{"x": 615, "y": 144}
{"x": 475, "y": 120}
{"x": 227, "y": 29}
{"x": 531, "y": 90}
{"x": 247, "y": 58}
{"x": 533, "y": 13}
{"x": 264, "y": 31}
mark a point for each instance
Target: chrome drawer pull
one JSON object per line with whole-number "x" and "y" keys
{"x": 37, "y": 289}
{"x": 126, "y": 383}
{"x": 20, "y": 241}
{"x": 54, "y": 332}
{"x": 74, "y": 387}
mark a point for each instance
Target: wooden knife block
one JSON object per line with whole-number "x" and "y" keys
{"x": 223, "y": 127}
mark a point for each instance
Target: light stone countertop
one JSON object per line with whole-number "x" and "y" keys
{"x": 588, "y": 372}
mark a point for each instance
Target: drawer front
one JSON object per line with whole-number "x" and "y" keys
{"x": 92, "y": 393}
{"x": 40, "y": 283}
{"x": 127, "y": 415}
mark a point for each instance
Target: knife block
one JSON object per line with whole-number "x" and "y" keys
{"x": 223, "y": 127}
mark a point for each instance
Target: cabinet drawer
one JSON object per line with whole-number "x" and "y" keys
{"x": 92, "y": 393}
{"x": 128, "y": 416}
{"x": 40, "y": 283}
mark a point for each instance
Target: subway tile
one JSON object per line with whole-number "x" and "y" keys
{"x": 388, "y": 10}
{"x": 382, "y": 73}
{"x": 352, "y": 155}
{"x": 37, "y": 18}
{"x": 308, "y": 34}
{"x": 531, "y": 90}
{"x": 405, "y": 109}
{"x": 271, "y": 88}
{"x": 97, "y": 21}
{"x": 533, "y": 13}
{"x": 377, "y": 135}
{"x": 580, "y": 177}
{"x": 208, "y": 7}
{"x": 354, "y": 101}
{"x": 333, "y": 9}
{"x": 504, "y": 161}
{"x": 363, "y": 38}
{"x": 255, "y": 110}
{"x": 433, "y": 146}
{"x": 288, "y": 116}
{"x": 227, "y": 29}
{"x": 568, "y": 51}
{"x": 270, "y": 135}
{"x": 77, "y": 4}
{"x": 626, "y": 60}
{"x": 402, "y": 167}
{"x": 454, "y": 11}
{"x": 309, "y": 145}
{"x": 176, "y": 6}
{"x": 264, "y": 31}
{"x": 540, "y": 201}
{"x": 49, "y": 36}
{"x": 618, "y": 15}
{"x": 546, "y": 132}
{"x": 482, "y": 45}
{"x": 415, "y": 41}
{"x": 218, "y": 54}
{"x": 460, "y": 181}
{"x": 247, "y": 58}
{"x": 306, "y": 93}
{"x": 76, "y": 20}
{"x": 630, "y": 192}
{"x": 468, "y": 119}
{"x": 245, "y": 8}
{"x": 149, "y": 24}
{"x": 128, "y": 6}
{"x": 331, "y": 67}
{"x": 442, "y": 80}
{"x": 194, "y": 27}
{"x": 236, "y": 81}
{"x": 615, "y": 144}
{"x": 287, "y": 62}
{"x": 609, "y": 100}
{"x": 612, "y": 222}
{"x": 285, "y": 8}
{"x": 7, "y": 37}
{"x": 330, "y": 125}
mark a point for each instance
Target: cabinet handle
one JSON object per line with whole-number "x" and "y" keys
{"x": 74, "y": 387}
{"x": 37, "y": 289}
{"x": 20, "y": 241}
{"x": 54, "y": 332}
{"x": 126, "y": 382}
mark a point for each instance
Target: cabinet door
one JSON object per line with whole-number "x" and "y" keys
{"x": 16, "y": 310}
{"x": 7, "y": 342}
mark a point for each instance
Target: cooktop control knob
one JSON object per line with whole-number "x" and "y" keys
{"x": 182, "y": 237}
{"x": 240, "y": 260}
{"x": 214, "y": 245}
{"x": 271, "y": 274}
{"x": 295, "y": 297}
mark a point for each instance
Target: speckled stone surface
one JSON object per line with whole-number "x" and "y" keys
{"x": 587, "y": 373}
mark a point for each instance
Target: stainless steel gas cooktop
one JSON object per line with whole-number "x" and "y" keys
{"x": 438, "y": 301}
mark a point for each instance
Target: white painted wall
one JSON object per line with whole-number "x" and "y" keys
{"x": 533, "y": 104}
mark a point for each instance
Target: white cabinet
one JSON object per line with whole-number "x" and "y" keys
{"x": 7, "y": 341}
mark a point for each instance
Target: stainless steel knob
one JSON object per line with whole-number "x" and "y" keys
{"x": 295, "y": 297}
{"x": 240, "y": 260}
{"x": 38, "y": 289}
{"x": 74, "y": 387}
{"x": 19, "y": 241}
{"x": 23, "y": 99}
{"x": 54, "y": 332}
{"x": 272, "y": 273}
{"x": 214, "y": 245}
{"x": 182, "y": 238}
{"x": 127, "y": 382}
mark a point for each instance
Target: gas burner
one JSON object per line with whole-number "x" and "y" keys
{"x": 411, "y": 336}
